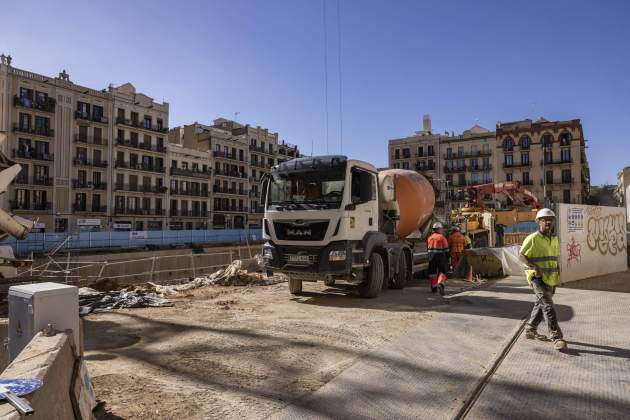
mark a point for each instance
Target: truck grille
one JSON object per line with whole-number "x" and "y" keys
{"x": 301, "y": 231}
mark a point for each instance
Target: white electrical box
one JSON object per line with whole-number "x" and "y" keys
{"x": 33, "y": 306}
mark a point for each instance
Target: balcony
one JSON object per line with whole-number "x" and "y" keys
{"x": 139, "y": 212}
{"x": 190, "y": 193}
{"x": 15, "y": 205}
{"x": 260, "y": 149}
{"x": 455, "y": 169}
{"x": 80, "y": 161}
{"x": 566, "y": 181}
{"x": 141, "y": 125}
{"x": 477, "y": 168}
{"x": 478, "y": 153}
{"x": 47, "y": 106}
{"x": 231, "y": 209}
{"x": 32, "y": 154}
{"x": 193, "y": 173}
{"x": 517, "y": 164}
{"x": 82, "y": 208}
{"x": 38, "y": 131}
{"x": 44, "y": 181}
{"x": 189, "y": 213}
{"x": 153, "y": 189}
{"x": 227, "y": 155}
{"x": 78, "y": 184}
{"x": 556, "y": 162}
{"x": 425, "y": 167}
{"x": 220, "y": 190}
{"x": 97, "y": 141}
{"x": 232, "y": 174}
{"x": 140, "y": 145}
{"x": 81, "y": 115}
{"x": 137, "y": 166}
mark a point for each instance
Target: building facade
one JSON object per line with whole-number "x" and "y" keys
{"x": 547, "y": 157}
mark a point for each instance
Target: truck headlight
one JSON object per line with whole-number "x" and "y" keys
{"x": 337, "y": 255}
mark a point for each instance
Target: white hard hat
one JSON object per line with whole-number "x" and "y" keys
{"x": 545, "y": 213}
{"x": 437, "y": 225}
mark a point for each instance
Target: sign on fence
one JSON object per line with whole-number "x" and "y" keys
{"x": 89, "y": 222}
{"x": 138, "y": 234}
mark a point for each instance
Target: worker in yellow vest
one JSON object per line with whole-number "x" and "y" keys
{"x": 541, "y": 250}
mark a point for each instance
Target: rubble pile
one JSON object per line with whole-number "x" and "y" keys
{"x": 91, "y": 300}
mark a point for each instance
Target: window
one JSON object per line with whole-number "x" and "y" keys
{"x": 566, "y": 176}
{"x": 397, "y": 154}
{"x": 509, "y": 160}
{"x": 449, "y": 152}
{"x": 41, "y": 97}
{"x": 460, "y": 151}
{"x": 26, "y": 93}
{"x": 83, "y": 110}
{"x": 420, "y": 151}
{"x": 565, "y": 155}
{"x": 430, "y": 151}
{"x": 98, "y": 135}
{"x": 159, "y": 124}
{"x": 486, "y": 163}
{"x": 566, "y": 196}
{"x": 97, "y": 112}
{"x": 525, "y": 158}
{"x": 508, "y": 144}
{"x": 96, "y": 202}
{"x": 405, "y": 165}
{"x": 549, "y": 177}
{"x": 565, "y": 139}
{"x": 121, "y": 114}
{"x": 487, "y": 177}
{"x": 526, "y": 180}
{"x": 461, "y": 179}
{"x": 508, "y": 177}
{"x": 42, "y": 125}
{"x": 80, "y": 200}
{"x": 547, "y": 140}
{"x": 134, "y": 118}
{"x": 431, "y": 165}
{"x": 474, "y": 164}
{"x": 25, "y": 121}
{"x": 361, "y": 178}
{"x": 83, "y": 133}
{"x": 474, "y": 178}
{"x": 525, "y": 142}
{"x": 548, "y": 155}
{"x": 405, "y": 153}
{"x": 486, "y": 148}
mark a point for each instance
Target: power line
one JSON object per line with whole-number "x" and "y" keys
{"x": 340, "y": 80}
{"x": 325, "y": 71}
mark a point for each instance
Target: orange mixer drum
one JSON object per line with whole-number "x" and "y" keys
{"x": 414, "y": 198}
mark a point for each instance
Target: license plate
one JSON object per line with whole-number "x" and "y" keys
{"x": 299, "y": 258}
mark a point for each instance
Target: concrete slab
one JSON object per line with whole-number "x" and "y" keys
{"x": 429, "y": 371}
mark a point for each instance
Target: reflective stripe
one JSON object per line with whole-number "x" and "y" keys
{"x": 540, "y": 259}
{"x": 550, "y": 270}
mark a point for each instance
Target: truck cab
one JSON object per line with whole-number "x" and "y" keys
{"x": 323, "y": 223}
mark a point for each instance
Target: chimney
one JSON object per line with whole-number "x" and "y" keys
{"x": 426, "y": 123}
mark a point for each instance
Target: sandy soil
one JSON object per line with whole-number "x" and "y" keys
{"x": 240, "y": 352}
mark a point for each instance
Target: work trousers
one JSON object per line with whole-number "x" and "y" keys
{"x": 543, "y": 308}
{"x": 455, "y": 256}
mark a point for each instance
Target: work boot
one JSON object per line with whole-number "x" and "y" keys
{"x": 535, "y": 335}
{"x": 560, "y": 345}
{"x": 441, "y": 289}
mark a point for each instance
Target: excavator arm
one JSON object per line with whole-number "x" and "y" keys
{"x": 512, "y": 189}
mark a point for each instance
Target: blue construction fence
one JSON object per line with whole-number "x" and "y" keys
{"x": 45, "y": 242}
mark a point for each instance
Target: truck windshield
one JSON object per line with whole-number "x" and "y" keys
{"x": 307, "y": 190}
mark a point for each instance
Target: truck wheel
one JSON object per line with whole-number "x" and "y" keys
{"x": 329, "y": 282}
{"x": 400, "y": 280}
{"x": 295, "y": 286}
{"x": 374, "y": 283}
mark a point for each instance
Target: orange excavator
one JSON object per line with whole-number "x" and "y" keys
{"x": 514, "y": 190}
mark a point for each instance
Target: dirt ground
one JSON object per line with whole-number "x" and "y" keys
{"x": 235, "y": 352}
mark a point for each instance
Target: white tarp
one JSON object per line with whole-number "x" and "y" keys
{"x": 592, "y": 241}
{"x": 486, "y": 260}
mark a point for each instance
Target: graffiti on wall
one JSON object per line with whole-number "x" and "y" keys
{"x": 605, "y": 234}
{"x": 574, "y": 252}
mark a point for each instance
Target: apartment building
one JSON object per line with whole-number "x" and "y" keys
{"x": 91, "y": 159}
{"x": 513, "y": 152}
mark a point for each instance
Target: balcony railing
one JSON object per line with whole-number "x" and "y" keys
{"x": 191, "y": 193}
{"x": 32, "y": 154}
{"x": 15, "y": 205}
{"x": 139, "y": 166}
{"x": 517, "y": 164}
{"x": 141, "y": 125}
{"x": 227, "y": 155}
{"x": 140, "y": 145}
{"x": 38, "y": 131}
{"x": 140, "y": 212}
{"x": 47, "y": 106}
{"x": 81, "y": 115}
{"x": 558, "y": 181}
{"x": 231, "y": 209}
{"x": 425, "y": 167}
{"x": 34, "y": 180}
{"x": 81, "y": 208}
{"x": 556, "y": 162}
{"x": 189, "y": 213}
{"x": 235, "y": 191}
{"x": 455, "y": 169}
{"x": 79, "y": 161}
{"x": 78, "y": 184}
{"x": 155, "y": 189}
{"x": 475, "y": 168}
{"x": 478, "y": 153}
{"x": 98, "y": 141}
{"x": 233, "y": 174}
{"x": 260, "y": 149}
{"x": 195, "y": 173}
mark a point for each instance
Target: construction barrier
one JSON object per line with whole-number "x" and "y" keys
{"x": 593, "y": 240}
{"x": 40, "y": 243}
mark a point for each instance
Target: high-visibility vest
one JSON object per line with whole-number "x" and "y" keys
{"x": 437, "y": 244}
{"x": 544, "y": 252}
{"x": 457, "y": 242}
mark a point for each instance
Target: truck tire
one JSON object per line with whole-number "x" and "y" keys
{"x": 295, "y": 286}
{"x": 400, "y": 279}
{"x": 329, "y": 282}
{"x": 374, "y": 283}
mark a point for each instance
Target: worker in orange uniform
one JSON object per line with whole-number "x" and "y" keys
{"x": 439, "y": 254}
{"x": 456, "y": 243}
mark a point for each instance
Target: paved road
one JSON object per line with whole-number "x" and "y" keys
{"x": 432, "y": 370}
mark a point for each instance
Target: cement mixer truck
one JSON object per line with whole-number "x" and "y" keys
{"x": 333, "y": 219}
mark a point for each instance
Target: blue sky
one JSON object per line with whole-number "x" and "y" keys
{"x": 463, "y": 62}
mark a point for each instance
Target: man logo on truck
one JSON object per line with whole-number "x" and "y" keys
{"x": 296, "y": 232}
